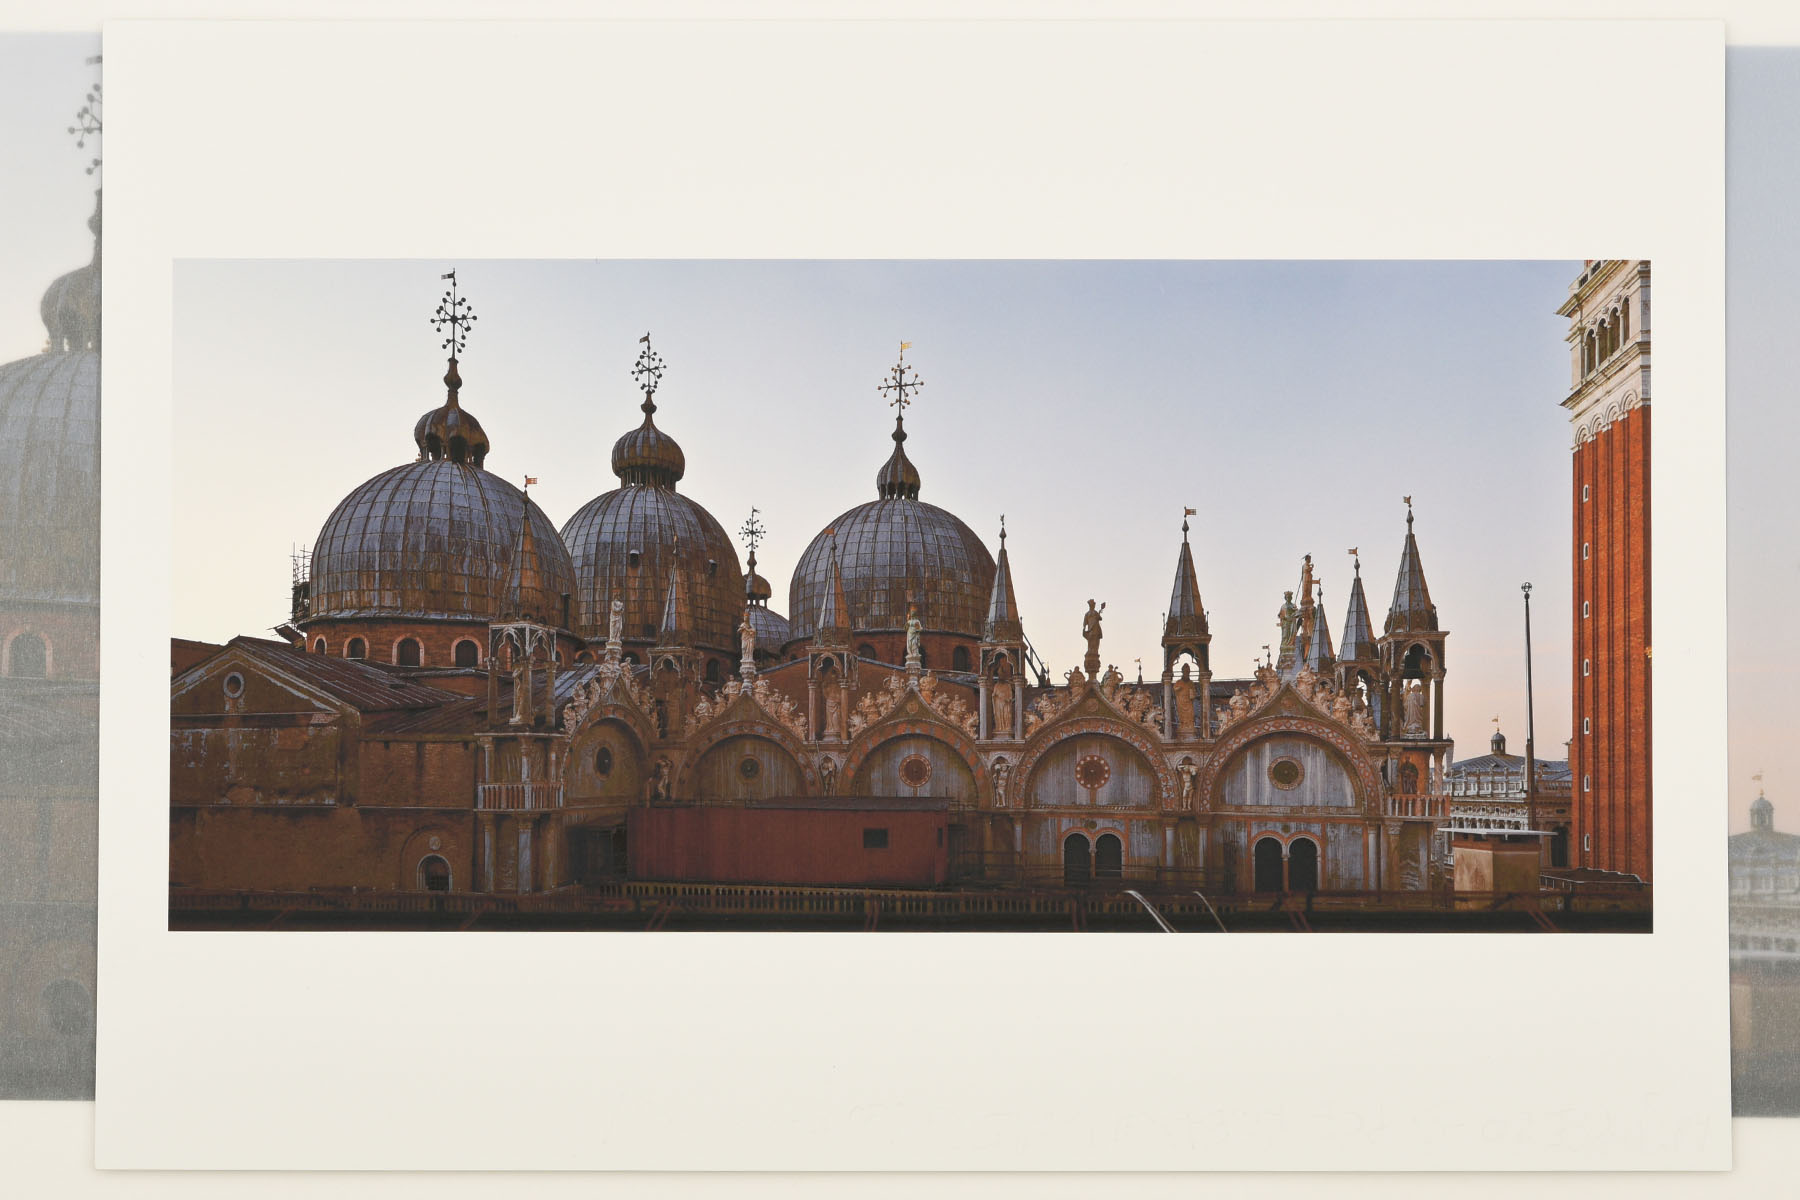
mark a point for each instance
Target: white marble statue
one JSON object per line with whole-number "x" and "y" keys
{"x": 914, "y": 628}
{"x": 747, "y": 638}
{"x": 615, "y": 629}
{"x": 1415, "y": 708}
{"x": 1002, "y": 773}
{"x": 1001, "y": 709}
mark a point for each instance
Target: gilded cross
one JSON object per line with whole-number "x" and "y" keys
{"x": 902, "y": 382}
{"x": 753, "y": 531}
{"x": 453, "y": 311}
{"x": 649, "y": 369}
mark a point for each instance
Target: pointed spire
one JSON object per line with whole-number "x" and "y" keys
{"x": 1412, "y": 610}
{"x": 1187, "y": 616}
{"x": 674, "y": 612}
{"x": 833, "y": 628}
{"x": 1358, "y": 642}
{"x": 1002, "y": 624}
{"x": 525, "y": 587}
{"x": 1318, "y": 648}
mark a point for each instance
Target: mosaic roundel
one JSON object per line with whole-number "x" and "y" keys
{"x": 749, "y": 768}
{"x": 1286, "y": 773}
{"x": 1092, "y": 771}
{"x": 915, "y": 770}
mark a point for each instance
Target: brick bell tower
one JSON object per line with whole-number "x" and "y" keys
{"x": 1609, "y": 407}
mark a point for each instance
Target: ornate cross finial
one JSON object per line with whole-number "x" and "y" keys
{"x": 753, "y": 531}
{"x": 902, "y": 383}
{"x": 1408, "y": 500}
{"x": 87, "y": 121}
{"x": 453, "y": 311}
{"x": 648, "y": 371}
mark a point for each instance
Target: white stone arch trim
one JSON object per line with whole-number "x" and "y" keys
{"x": 1106, "y": 725}
{"x": 28, "y": 629}
{"x": 722, "y": 731}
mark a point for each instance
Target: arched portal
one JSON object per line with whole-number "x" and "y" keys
{"x": 1076, "y": 865}
{"x": 434, "y": 873}
{"x": 1303, "y": 865}
{"x": 1109, "y": 857}
{"x": 1267, "y": 856}
{"x": 29, "y": 658}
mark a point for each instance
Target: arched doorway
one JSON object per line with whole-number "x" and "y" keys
{"x": 1076, "y": 866}
{"x": 1303, "y": 865}
{"x": 30, "y": 658}
{"x": 1267, "y": 857}
{"x": 434, "y": 874}
{"x": 1109, "y": 857}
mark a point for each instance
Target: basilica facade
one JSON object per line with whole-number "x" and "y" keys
{"x": 469, "y": 699}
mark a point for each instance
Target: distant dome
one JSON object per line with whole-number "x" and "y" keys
{"x": 1762, "y": 813}
{"x": 434, "y": 540}
{"x": 50, "y": 477}
{"x": 772, "y": 631}
{"x": 892, "y": 548}
{"x": 626, "y": 542}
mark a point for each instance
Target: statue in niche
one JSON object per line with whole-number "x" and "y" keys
{"x": 1184, "y": 700}
{"x": 1415, "y": 709}
{"x": 828, "y": 776}
{"x": 521, "y": 698}
{"x": 1188, "y": 772}
{"x": 1002, "y": 773}
{"x": 1090, "y": 630}
{"x": 1001, "y": 709}
{"x": 659, "y": 711}
{"x": 914, "y": 630}
{"x": 747, "y": 638}
{"x": 659, "y": 780}
{"x": 834, "y": 715}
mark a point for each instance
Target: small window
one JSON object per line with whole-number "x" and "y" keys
{"x": 712, "y": 568}
{"x": 1587, "y": 785}
{"x": 356, "y": 648}
{"x": 234, "y": 685}
{"x": 1584, "y": 551}
{"x": 318, "y": 645}
{"x": 406, "y": 654}
{"x": 959, "y": 659}
{"x": 712, "y": 671}
{"x": 1584, "y": 609}
{"x": 875, "y": 839}
{"x": 1584, "y": 493}
{"x": 468, "y": 654}
{"x": 632, "y": 559}
{"x": 29, "y": 657}
{"x": 1587, "y": 725}
{"x": 1587, "y": 666}
{"x": 865, "y": 651}
{"x": 603, "y": 761}
{"x": 1587, "y": 841}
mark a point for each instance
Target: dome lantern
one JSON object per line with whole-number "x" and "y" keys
{"x": 449, "y": 432}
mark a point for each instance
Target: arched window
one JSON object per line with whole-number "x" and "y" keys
{"x": 1109, "y": 857}
{"x": 865, "y": 651}
{"x": 1076, "y": 860}
{"x": 959, "y": 659}
{"x": 1267, "y": 861}
{"x": 1625, "y": 319}
{"x": 712, "y": 670}
{"x": 28, "y": 657}
{"x": 356, "y": 648}
{"x": 406, "y": 654}
{"x": 318, "y": 645}
{"x": 1303, "y": 865}
{"x": 434, "y": 873}
{"x": 1593, "y": 357}
{"x": 468, "y": 654}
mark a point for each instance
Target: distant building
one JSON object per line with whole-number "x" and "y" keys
{"x": 1765, "y": 967}
{"x": 1489, "y": 796}
{"x": 1609, "y": 408}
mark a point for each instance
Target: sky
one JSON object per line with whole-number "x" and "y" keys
{"x": 1293, "y": 404}
{"x": 1762, "y": 149}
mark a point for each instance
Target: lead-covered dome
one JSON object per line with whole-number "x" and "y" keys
{"x": 440, "y": 538}
{"x": 50, "y": 449}
{"x": 893, "y": 551}
{"x": 625, "y": 544}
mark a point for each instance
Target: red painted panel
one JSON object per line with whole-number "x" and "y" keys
{"x": 784, "y": 845}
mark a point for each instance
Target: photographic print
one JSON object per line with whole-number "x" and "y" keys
{"x": 1201, "y": 669}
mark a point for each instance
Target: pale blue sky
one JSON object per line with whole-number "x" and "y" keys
{"x": 1292, "y": 403}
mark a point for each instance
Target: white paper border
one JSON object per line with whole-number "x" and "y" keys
{"x": 1145, "y": 139}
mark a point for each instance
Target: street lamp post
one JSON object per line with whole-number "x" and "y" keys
{"x": 1530, "y": 726}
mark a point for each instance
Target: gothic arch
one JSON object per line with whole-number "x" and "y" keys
{"x": 1107, "y": 725}
{"x": 1362, "y": 769}
{"x": 755, "y": 727}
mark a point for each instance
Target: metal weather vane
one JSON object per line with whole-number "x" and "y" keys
{"x": 649, "y": 369}
{"x": 901, "y": 383}
{"x": 453, "y": 311}
{"x": 87, "y": 121}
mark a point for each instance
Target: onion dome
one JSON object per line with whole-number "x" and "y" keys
{"x": 440, "y": 538}
{"x": 894, "y": 551}
{"x": 50, "y": 449}
{"x": 771, "y": 627}
{"x": 627, "y": 542}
